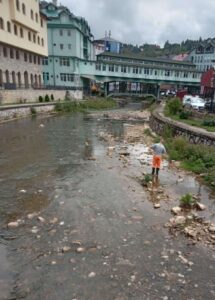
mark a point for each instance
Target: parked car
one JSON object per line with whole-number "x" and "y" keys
{"x": 186, "y": 99}
{"x": 194, "y": 102}
{"x": 210, "y": 106}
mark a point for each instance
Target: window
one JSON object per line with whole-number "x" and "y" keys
{"x": 61, "y": 46}
{"x": 21, "y": 33}
{"x": 17, "y": 54}
{"x": 111, "y": 68}
{"x": 61, "y": 32}
{"x": 66, "y": 77}
{"x": 29, "y": 36}
{"x": 104, "y": 67}
{"x": 38, "y": 60}
{"x": 30, "y": 58}
{"x": 11, "y": 53}
{"x": 45, "y": 61}
{"x": 69, "y": 32}
{"x": 23, "y": 9}
{"x": 64, "y": 61}
{"x": 69, "y": 46}
{"x": 45, "y": 77}
{"x": 98, "y": 67}
{"x": 41, "y": 22}
{"x": 135, "y": 70}
{"x": 25, "y": 57}
{"x": 36, "y": 17}
{"x": 15, "y": 29}
{"x": 5, "y": 51}
{"x": 123, "y": 69}
{"x": 1, "y": 24}
{"x": 35, "y": 59}
{"x": 38, "y": 40}
{"x": 167, "y": 73}
{"x": 116, "y": 68}
{"x": 17, "y": 5}
{"x": 185, "y": 74}
{"x": 8, "y": 26}
{"x": 32, "y": 14}
{"x": 42, "y": 42}
{"x": 176, "y": 73}
{"x": 146, "y": 71}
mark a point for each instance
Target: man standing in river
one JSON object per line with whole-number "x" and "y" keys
{"x": 158, "y": 151}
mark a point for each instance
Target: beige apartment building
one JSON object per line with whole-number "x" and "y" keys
{"x": 23, "y": 44}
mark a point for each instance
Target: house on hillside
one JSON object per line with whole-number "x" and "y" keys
{"x": 203, "y": 56}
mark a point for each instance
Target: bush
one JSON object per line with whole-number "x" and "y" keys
{"x": 40, "y": 99}
{"x": 187, "y": 201}
{"x": 47, "y": 99}
{"x": 74, "y": 106}
{"x": 209, "y": 123}
{"x": 185, "y": 115}
{"x": 52, "y": 97}
{"x": 174, "y": 106}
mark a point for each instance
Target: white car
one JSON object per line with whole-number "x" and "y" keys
{"x": 194, "y": 102}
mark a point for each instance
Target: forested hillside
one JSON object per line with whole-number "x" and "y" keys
{"x": 169, "y": 49}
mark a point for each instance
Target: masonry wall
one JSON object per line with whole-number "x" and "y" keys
{"x": 159, "y": 123}
{"x": 30, "y": 95}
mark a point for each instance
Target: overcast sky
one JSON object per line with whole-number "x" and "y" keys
{"x": 147, "y": 21}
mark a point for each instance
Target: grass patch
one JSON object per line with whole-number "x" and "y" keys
{"x": 199, "y": 159}
{"x": 193, "y": 122}
{"x": 187, "y": 201}
{"x": 174, "y": 110}
{"x": 83, "y": 106}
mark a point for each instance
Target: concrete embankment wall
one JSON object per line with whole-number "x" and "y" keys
{"x": 159, "y": 123}
{"x": 14, "y": 112}
{"x": 31, "y": 95}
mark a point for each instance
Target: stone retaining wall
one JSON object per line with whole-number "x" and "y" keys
{"x": 31, "y": 95}
{"x": 158, "y": 123}
{"x": 24, "y": 111}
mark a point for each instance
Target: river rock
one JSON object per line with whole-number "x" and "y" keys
{"x": 66, "y": 249}
{"x": 31, "y": 216}
{"x": 80, "y": 250}
{"x": 157, "y": 205}
{"x": 200, "y": 206}
{"x": 179, "y": 220}
{"x": 176, "y": 210}
{"x": 190, "y": 232}
{"x": 212, "y": 228}
{"x": 13, "y": 225}
{"x": 92, "y": 275}
{"x": 41, "y": 219}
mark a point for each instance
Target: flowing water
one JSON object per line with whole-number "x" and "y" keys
{"x": 48, "y": 167}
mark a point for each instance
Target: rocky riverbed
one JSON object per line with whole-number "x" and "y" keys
{"x": 79, "y": 222}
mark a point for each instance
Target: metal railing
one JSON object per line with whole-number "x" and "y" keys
{"x": 12, "y": 86}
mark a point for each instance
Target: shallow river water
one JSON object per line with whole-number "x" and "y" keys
{"x": 100, "y": 238}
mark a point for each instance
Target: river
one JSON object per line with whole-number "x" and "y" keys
{"x": 98, "y": 238}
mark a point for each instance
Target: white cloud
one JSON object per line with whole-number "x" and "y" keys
{"x": 140, "y": 21}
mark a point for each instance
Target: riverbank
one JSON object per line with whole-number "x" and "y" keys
{"x": 14, "y": 112}
{"x": 84, "y": 227}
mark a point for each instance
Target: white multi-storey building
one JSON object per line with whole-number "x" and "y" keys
{"x": 23, "y": 43}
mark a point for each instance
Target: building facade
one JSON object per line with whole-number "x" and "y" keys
{"x": 203, "y": 56}
{"x": 69, "y": 43}
{"x": 23, "y": 44}
{"x": 107, "y": 44}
